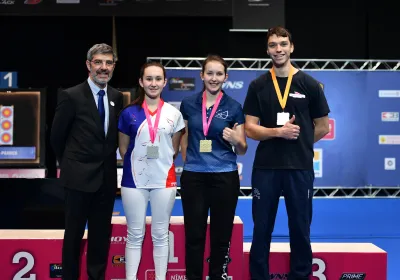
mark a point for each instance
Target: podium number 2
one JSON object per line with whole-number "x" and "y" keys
{"x": 30, "y": 262}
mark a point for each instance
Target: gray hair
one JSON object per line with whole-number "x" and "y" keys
{"x": 100, "y": 49}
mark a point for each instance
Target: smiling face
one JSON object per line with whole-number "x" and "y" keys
{"x": 153, "y": 81}
{"x": 214, "y": 76}
{"x": 279, "y": 49}
{"x": 101, "y": 69}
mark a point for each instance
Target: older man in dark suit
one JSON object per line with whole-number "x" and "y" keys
{"x": 84, "y": 138}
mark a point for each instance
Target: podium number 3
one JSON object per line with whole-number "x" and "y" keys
{"x": 30, "y": 262}
{"x": 321, "y": 269}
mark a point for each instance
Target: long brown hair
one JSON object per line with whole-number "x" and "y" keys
{"x": 140, "y": 94}
{"x": 213, "y": 57}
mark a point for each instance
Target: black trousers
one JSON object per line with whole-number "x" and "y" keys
{"x": 297, "y": 187}
{"x": 95, "y": 209}
{"x": 201, "y": 193}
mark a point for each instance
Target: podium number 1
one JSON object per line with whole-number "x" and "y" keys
{"x": 30, "y": 262}
{"x": 172, "y": 258}
{"x": 9, "y": 77}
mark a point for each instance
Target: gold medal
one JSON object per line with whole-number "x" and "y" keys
{"x": 205, "y": 146}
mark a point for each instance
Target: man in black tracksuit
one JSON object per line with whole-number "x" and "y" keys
{"x": 286, "y": 110}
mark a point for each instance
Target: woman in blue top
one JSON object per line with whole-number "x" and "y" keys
{"x": 210, "y": 181}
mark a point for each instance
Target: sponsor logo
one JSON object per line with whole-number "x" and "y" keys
{"x": 390, "y": 164}
{"x": 118, "y": 260}
{"x": 68, "y": 1}
{"x": 110, "y": 2}
{"x": 118, "y": 239}
{"x": 332, "y": 130}
{"x": 172, "y": 274}
{"x": 32, "y": 2}
{"x": 389, "y": 93}
{"x": 389, "y": 139}
{"x": 182, "y": 84}
{"x": 223, "y": 115}
{"x": 233, "y": 85}
{"x": 7, "y": 2}
{"x": 390, "y": 116}
{"x": 240, "y": 170}
{"x": 56, "y": 270}
{"x": 317, "y": 163}
{"x": 297, "y": 95}
{"x": 226, "y": 278}
{"x": 253, "y": 3}
{"x": 120, "y": 173}
{"x": 353, "y": 276}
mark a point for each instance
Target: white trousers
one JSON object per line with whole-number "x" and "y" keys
{"x": 135, "y": 203}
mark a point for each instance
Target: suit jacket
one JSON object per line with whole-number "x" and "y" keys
{"x": 87, "y": 156}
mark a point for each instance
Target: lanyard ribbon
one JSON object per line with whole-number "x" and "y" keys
{"x": 206, "y": 125}
{"x": 153, "y": 130}
{"x": 283, "y": 100}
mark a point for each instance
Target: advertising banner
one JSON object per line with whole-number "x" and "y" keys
{"x": 363, "y": 143}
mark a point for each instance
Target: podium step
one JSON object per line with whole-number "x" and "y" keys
{"x": 37, "y": 253}
{"x": 33, "y": 254}
{"x": 330, "y": 261}
{"x": 176, "y": 265}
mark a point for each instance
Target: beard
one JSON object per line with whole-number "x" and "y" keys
{"x": 101, "y": 81}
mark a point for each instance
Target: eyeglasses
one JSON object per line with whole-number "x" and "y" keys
{"x": 99, "y": 62}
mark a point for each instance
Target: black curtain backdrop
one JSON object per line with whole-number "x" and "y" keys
{"x": 50, "y": 52}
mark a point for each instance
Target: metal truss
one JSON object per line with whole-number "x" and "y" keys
{"x": 345, "y": 192}
{"x": 361, "y": 192}
{"x": 194, "y": 63}
{"x": 338, "y": 192}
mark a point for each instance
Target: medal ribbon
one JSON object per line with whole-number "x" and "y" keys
{"x": 152, "y": 130}
{"x": 206, "y": 125}
{"x": 283, "y": 100}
